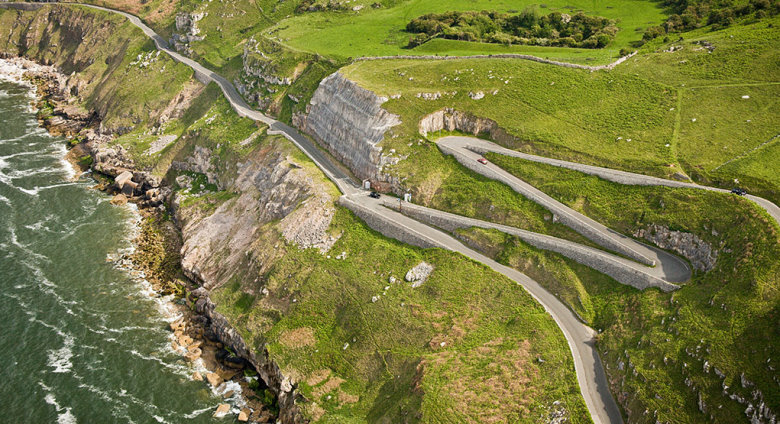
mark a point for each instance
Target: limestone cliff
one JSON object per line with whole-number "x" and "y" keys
{"x": 699, "y": 252}
{"x": 270, "y": 187}
{"x": 449, "y": 119}
{"x": 351, "y": 123}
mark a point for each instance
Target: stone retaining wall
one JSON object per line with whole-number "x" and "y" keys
{"x": 583, "y": 225}
{"x": 501, "y": 56}
{"x": 587, "y": 256}
{"x": 384, "y": 226}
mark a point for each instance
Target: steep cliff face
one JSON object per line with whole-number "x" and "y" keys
{"x": 350, "y": 122}
{"x": 111, "y": 67}
{"x": 270, "y": 187}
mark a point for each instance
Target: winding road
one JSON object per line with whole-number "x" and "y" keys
{"x": 478, "y": 146}
{"x": 581, "y": 339}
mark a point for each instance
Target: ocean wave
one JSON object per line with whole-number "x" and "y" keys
{"x": 60, "y": 359}
{"x": 35, "y": 190}
{"x": 15, "y": 241}
{"x": 64, "y": 416}
{"x": 197, "y": 412}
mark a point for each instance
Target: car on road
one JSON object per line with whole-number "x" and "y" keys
{"x": 482, "y": 161}
{"x": 739, "y": 191}
{"x": 374, "y": 195}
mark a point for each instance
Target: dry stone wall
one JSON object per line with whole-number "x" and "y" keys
{"x": 502, "y": 56}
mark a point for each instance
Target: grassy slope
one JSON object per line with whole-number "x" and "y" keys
{"x": 647, "y": 327}
{"x": 395, "y": 369}
{"x": 577, "y": 115}
{"x": 379, "y": 32}
{"x": 582, "y": 122}
{"x": 719, "y": 145}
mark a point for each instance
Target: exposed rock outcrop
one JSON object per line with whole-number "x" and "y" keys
{"x": 350, "y": 122}
{"x": 419, "y": 274}
{"x": 187, "y": 31}
{"x": 269, "y": 187}
{"x": 449, "y": 119}
{"x": 689, "y": 245}
{"x": 220, "y": 328}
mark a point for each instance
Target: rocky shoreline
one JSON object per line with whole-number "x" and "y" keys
{"x": 154, "y": 259}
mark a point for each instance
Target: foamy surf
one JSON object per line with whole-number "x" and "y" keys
{"x": 60, "y": 359}
{"x": 64, "y": 416}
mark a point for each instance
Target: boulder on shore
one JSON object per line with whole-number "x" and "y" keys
{"x": 214, "y": 379}
{"x": 123, "y": 178}
{"x": 222, "y": 410}
{"x": 119, "y": 200}
{"x": 243, "y": 416}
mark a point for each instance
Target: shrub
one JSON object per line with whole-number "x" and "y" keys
{"x": 527, "y": 27}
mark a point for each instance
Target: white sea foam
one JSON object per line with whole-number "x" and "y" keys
{"x": 197, "y": 412}
{"x": 64, "y": 416}
{"x": 25, "y": 249}
{"x": 35, "y": 190}
{"x": 236, "y": 399}
{"x": 60, "y": 359}
{"x": 70, "y": 171}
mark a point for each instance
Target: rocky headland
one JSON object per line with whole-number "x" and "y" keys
{"x": 218, "y": 355}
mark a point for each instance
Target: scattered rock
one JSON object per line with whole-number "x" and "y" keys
{"x": 243, "y": 416}
{"x": 419, "y": 274}
{"x": 214, "y": 379}
{"x": 196, "y": 376}
{"x": 222, "y": 410}
{"x": 119, "y": 200}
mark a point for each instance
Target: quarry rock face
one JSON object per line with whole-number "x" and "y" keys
{"x": 449, "y": 119}
{"x": 350, "y": 122}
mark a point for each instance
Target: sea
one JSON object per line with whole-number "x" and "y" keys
{"x": 81, "y": 339}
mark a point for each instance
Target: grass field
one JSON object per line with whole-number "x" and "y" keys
{"x": 723, "y": 135}
{"x": 657, "y": 114}
{"x": 602, "y": 118}
{"x": 416, "y": 354}
{"x": 714, "y": 318}
{"x": 379, "y": 32}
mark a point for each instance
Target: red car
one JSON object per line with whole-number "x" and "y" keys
{"x": 482, "y": 161}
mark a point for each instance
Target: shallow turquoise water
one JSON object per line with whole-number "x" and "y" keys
{"x": 81, "y": 340}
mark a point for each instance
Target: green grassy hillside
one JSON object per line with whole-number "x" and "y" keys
{"x": 380, "y": 31}
{"x": 725, "y": 317}
{"x": 659, "y": 113}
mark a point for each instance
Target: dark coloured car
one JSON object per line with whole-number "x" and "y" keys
{"x": 375, "y": 195}
{"x": 739, "y": 191}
